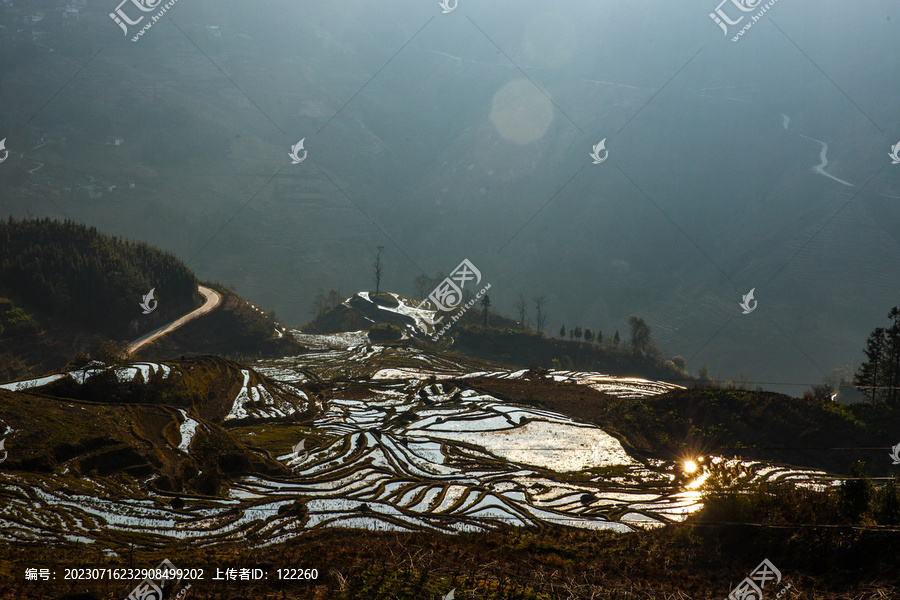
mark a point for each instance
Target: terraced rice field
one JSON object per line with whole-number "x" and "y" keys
{"x": 397, "y": 446}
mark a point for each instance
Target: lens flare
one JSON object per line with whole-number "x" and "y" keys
{"x": 690, "y": 466}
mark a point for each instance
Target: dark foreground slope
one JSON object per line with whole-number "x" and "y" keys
{"x": 692, "y": 561}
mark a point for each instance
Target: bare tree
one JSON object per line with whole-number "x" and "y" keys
{"x": 522, "y": 308}
{"x": 335, "y": 297}
{"x": 486, "y": 304}
{"x": 421, "y": 283}
{"x": 437, "y": 280}
{"x": 378, "y": 270}
{"x": 541, "y": 317}
{"x": 320, "y": 305}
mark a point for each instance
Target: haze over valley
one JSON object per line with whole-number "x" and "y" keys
{"x": 446, "y": 297}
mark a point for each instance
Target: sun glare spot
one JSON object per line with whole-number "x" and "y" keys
{"x": 520, "y": 112}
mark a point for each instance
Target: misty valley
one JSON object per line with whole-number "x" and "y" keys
{"x": 427, "y": 300}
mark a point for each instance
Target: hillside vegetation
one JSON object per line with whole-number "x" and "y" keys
{"x": 73, "y": 272}
{"x": 529, "y": 348}
{"x": 685, "y": 424}
{"x": 236, "y": 329}
{"x": 497, "y": 338}
{"x": 66, "y": 288}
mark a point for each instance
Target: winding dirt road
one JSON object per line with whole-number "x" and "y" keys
{"x": 213, "y": 299}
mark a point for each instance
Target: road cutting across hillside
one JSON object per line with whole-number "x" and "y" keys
{"x": 213, "y": 299}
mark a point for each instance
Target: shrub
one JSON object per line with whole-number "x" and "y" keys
{"x": 17, "y": 320}
{"x": 820, "y": 393}
{"x": 384, "y": 332}
{"x": 888, "y": 511}
{"x": 855, "y": 494}
{"x": 725, "y": 493}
